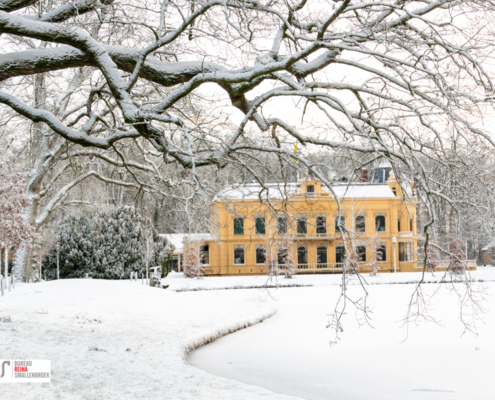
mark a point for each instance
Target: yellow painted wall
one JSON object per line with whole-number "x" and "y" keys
{"x": 394, "y": 208}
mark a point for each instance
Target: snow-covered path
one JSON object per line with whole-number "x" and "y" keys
{"x": 289, "y": 353}
{"x": 121, "y": 340}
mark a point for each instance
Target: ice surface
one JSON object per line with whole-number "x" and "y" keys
{"x": 290, "y": 352}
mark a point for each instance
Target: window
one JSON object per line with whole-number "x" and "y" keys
{"x": 339, "y": 254}
{"x": 260, "y": 225}
{"x": 239, "y": 254}
{"x": 339, "y": 223}
{"x": 405, "y": 251}
{"x": 360, "y": 223}
{"x": 260, "y": 254}
{"x": 381, "y": 253}
{"x": 282, "y": 256}
{"x": 174, "y": 264}
{"x": 411, "y": 224}
{"x": 310, "y": 188}
{"x": 321, "y": 224}
{"x": 380, "y": 223}
{"x": 398, "y": 224}
{"x": 302, "y": 226}
{"x": 361, "y": 253}
{"x": 238, "y": 226}
{"x": 321, "y": 255}
{"x": 302, "y": 255}
{"x": 204, "y": 253}
{"x": 378, "y": 176}
{"x": 282, "y": 224}
{"x": 394, "y": 191}
{"x": 381, "y": 175}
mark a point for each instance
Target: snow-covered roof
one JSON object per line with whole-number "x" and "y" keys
{"x": 353, "y": 191}
{"x": 200, "y": 236}
{"x": 489, "y": 245}
{"x": 253, "y": 190}
{"x": 276, "y": 191}
{"x": 177, "y": 239}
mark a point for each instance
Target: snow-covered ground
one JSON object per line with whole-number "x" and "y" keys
{"x": 177, "y": 281}
{"x": 121, "y": 340}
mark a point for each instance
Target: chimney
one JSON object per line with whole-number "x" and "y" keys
{"x": 364, "y": 175}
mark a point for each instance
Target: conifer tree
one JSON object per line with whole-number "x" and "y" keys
{"x": 107, "y": 246}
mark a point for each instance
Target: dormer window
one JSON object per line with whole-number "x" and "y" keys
{"x": 394, "y": 191}
{"x": 310, "y": 188}
{"x": 381, "y": 175}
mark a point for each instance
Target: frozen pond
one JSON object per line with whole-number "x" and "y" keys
{"x": 290, "y": 354}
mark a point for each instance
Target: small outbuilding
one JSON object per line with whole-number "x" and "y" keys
{"x": 487, "y": 253}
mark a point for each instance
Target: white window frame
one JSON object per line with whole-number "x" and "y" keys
{"x": 386, "y": 251}
{"x": 256, "y": 247}
{"x": 244, "y": 253}
{"x": 410, "y": 248}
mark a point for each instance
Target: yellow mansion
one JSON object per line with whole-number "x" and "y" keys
{"x": 254, "y": 227}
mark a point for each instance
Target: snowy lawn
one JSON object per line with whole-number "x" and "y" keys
{"x": 177, "y": 281}
{"x": 289, "y": 353}
{"x": 122, "y": 340}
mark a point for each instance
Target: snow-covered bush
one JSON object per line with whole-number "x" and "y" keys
{"x": 107, "y": 246}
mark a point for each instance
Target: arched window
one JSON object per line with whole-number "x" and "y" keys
{"x": 380, "y": 223}
{"x": 260, "y": 254}
{"x": 360, "y": 223}
{"x": 238, "y": 254}
{"x": 361, "y": 253}
{"x": 282, "y": 257}
{"x": 394, "y": 190}
{"x": 381, "y": 253}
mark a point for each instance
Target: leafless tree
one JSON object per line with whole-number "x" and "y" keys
{"x": 406, "y": 80}
{"x": 14, "y": 229}
{"x": 193, "y": 258}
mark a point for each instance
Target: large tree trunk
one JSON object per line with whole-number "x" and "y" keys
{"x": 40, "y": 151}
